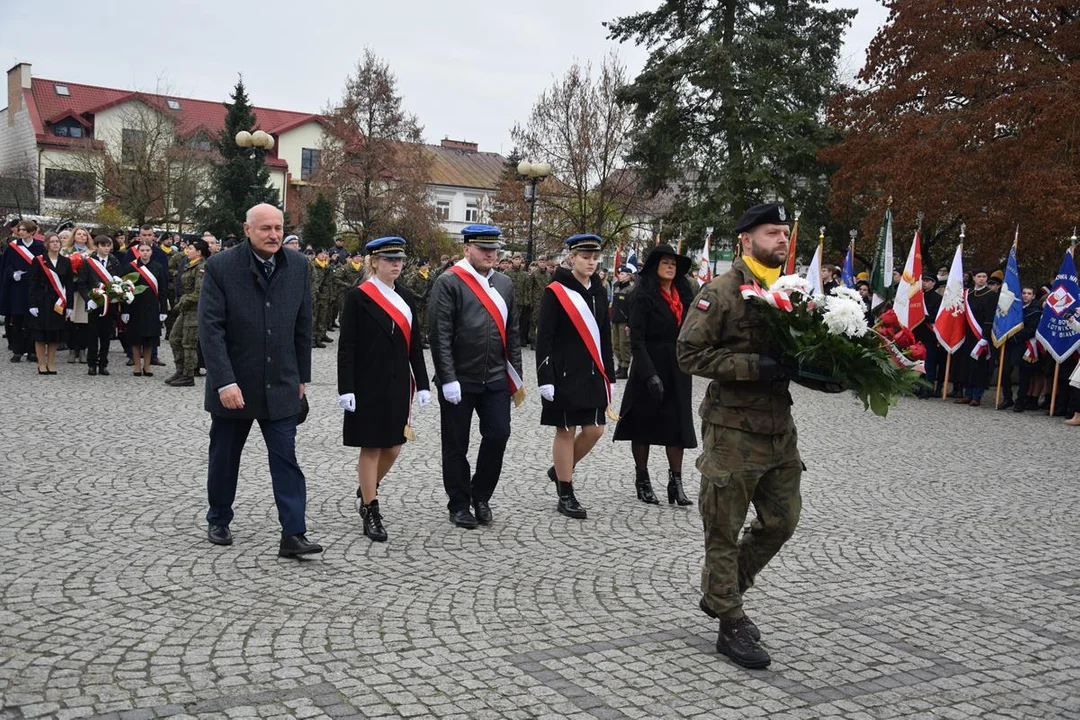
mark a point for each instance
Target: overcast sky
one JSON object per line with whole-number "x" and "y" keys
{"x": 468, "y": 69}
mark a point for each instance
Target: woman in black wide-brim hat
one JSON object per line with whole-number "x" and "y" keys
{"x": 656, "y": 408}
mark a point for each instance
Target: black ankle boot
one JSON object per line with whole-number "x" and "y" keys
{"x": 675, "y": 492}
{"x": 373, "y": 526}
{"x": 644, "y": 487}
{"x": 568, "y": 504}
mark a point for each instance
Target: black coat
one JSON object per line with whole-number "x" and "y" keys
{"x": 374, "y": 364}
{"x": 653, "y": 332}
{"x": 43, "y": 297}
{"x": 256, "y": 332}
{"x": 1017, "y": 344}
{"x": 14, "y": 296}
{"x": 562, "y": 358}
{"x": 145, "y": 309}
{"x": 86, "y": 280}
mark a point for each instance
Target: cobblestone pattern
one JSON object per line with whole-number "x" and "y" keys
{"x": 935, "y": 573}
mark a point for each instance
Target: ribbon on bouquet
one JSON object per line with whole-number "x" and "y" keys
{"x": 775, "y": 298}
{"x": 898, "y": 357}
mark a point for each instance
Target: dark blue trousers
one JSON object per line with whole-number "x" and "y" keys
{"x": 227, "y": 438}
{"x": 493, "y": 408}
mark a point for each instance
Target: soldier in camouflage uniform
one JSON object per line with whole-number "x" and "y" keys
{"x": 750, "y": 449}
{"x": 184, "y": 336}
{"x": 539, "y": 278}
{"x": 419, "y": 282}
{"x": 320, "y": 295}
{"x": 523, "y": 283}
{"x": 337, "y": 290}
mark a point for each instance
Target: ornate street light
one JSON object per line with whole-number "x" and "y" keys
{"x": 532, "y": 173}
{"x": 257, "y": 139}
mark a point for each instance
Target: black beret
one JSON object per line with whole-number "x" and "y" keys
{"x": 929, "y": 276}
{"x": 767, "y": 214}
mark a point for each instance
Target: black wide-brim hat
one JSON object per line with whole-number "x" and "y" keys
{"x": 652, "y": 261}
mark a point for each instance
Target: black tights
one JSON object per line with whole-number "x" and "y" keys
{"x": 641, "y": 457}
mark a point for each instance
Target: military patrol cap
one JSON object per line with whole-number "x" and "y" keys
{"x": 766, "y": 214}
{"x": 387, "y": 247}
{"x": 583, "y": 241}
{"x": 482, "y": 236}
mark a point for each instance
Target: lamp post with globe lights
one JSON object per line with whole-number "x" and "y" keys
{"x": 532, "y": 173}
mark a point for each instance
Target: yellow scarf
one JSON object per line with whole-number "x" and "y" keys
{"x": 321, "y": 263}
{"x": 422, "y": 273}
{"x": 167, "y": 249}
{"x": 766, "y": 276}
{"x": 356, "y": 265}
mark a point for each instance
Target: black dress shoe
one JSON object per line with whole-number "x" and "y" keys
{"x": 1006, "y": 405}
{"x": 297, "y": 545}
{"x": 735, "y": 641}
{"x": 16, "y": 358}
{"x": 219, "y": 535}
{"x": 746, "y": 622}
{"x": 483, "y": 512}
{"x": 103, "y": 370}
{"x": 568, "y": 504}
{"x": 464, "y": 519}
{"x": 92, "y": 370}
{"x": 320, "y": 345}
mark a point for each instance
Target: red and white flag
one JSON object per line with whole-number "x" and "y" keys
{"x": 704, "y": 273}
{"x": 908, "y": 304}
{"x": 950, "y": 325}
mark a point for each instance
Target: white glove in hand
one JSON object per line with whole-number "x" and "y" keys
{"x": 611, "y": 387}
{"x": 547, "y": 392}
{"x": 69, "y": 313}
{"x": 34, "y": 312}
{"x": 91, "y": 305}
{"x": 347, "y": 402}
{"x": 17, "y": 275}
{"x": 452, "y": 392}
{"x": 423, "y": 397}
{"x": 162, "y": 317}
{"x": 125, "y": 318}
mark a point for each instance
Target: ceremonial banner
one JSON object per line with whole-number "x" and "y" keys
{"x": 881, "y": 273}
{"x": 1009, "y": 316}
{"x": 704, "y": 273}
{"x": 849, "y": 267}
{"x": 813, "y": 273}
{"x": 1055, "y": 332}
{"x": 789, "y": 267}
{"x": 951, "y": 321}
{"x": 908, "y": 303}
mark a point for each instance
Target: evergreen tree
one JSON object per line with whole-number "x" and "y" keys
{"x": 319, "y": 227}
{"x": 733, "y": 99}
{"x": 241, "y": 178}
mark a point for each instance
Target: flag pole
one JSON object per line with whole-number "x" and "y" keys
{"x": 1053, "y": 390}
{"x": 945, "y": 384}
{"x": 1001, "y": 372}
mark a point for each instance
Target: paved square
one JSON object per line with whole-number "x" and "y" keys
{"x": 935, "y": 573}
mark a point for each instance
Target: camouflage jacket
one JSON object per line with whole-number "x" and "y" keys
{"x": 419, "y": 285}
{"x": 348, "y": 277}
{"x": 523, "y": 283}
{"x": 191, "y": 280}
{"x": 722, "y": 339}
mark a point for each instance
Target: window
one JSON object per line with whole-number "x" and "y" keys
{"x": 68, "y": 128}
{"x": 472, "y": 211}
{"x": 309, "y": 163}
{"x": 62, "y": 90}
{"x": 173, "y": 104}
{"x": 442, "y": 209}
{"x": 133, "y": 143}
{"x": 200, "y": 142}
{"x": 68, "y": 185}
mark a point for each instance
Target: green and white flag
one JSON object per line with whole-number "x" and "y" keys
{"x": 881, "y": 276}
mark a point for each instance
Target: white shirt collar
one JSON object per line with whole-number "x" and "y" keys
{"x": 375, "y": 279}
{"x": 464, "y": 263}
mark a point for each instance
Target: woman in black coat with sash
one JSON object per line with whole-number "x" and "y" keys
{"x": 656, "y": 407}
{"x": 48, "y": 308}
{"x": 575, "y": 392}
{"x": 379, "y": 368}
{"x": 143, "y": 316}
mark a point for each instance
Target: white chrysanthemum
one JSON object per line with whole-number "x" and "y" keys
{"x": 845, "y": 317}
{"x": 791, "y": 283}
{"x": 846, "y": 292}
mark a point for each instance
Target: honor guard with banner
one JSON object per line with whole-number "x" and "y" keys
{"x": 473, "y": 331}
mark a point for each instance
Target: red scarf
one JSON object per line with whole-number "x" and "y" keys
{"x": 674, "y": 302}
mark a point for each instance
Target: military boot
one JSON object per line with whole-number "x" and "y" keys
{"x": 568, "y": 504}
{"x": 735, "y": 641}
{"x": 168, "y": 380}
{"x": 373, "y": 525}
{"x": 181, "y": 381}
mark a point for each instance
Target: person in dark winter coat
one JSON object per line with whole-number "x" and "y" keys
{"x": 142, "y": 317}
{"x": 50, "y": 292}
{"x": 101, "y": 319}
{"x": 656, "y": 406}
{"x": 380, "y": 364}
{"x": 574, "y": 368}
{"x": 15, "y": 263}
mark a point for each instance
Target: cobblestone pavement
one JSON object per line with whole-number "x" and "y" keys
{"x": 935, "y": 573}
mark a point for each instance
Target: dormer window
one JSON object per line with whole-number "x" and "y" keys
{"x": 62, "y": 90}
{"x": 173, "y": 104}
{"x": 68, "y": 128}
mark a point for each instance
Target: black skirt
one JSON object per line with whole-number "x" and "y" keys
{"x": 148, "y": 341}
{"x": 556, "y": 417}
{"x": 48, "y": 336}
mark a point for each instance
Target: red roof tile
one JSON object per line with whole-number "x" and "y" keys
{"x": 462, "y": 168}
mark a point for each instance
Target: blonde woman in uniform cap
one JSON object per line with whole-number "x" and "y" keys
{"x": 574, "y": 366}
{"x": 380, "y": 366}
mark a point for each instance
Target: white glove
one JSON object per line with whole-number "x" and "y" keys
{"x": 452, "y": 392}
{"x": 125, "y": 318}
{"x": 547, "y": 392}
{"x": 91, "y": 305}
{"x": 347, "y": 402}
{"x": 17, "y": 275}
{"x": 34, "y": 312}
{"x": 69, "y": 313}
{"x": 162, "y": 317}
{"x": 423, "y": 397}
{"x": 611, "y": 387}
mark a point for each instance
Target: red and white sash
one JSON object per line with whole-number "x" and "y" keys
{"x": 981, "y": 346}
{"x": 106, "y": 278}
{"x": 496, "y": 307}
{"x": 57, "y": 286}
{"x": 24, "y": 252}
{"x": 585, "y": 323}
{"x": 398, "y": 310}
{"x": 1031, "y": 350}
{"x": 146, "y": 275}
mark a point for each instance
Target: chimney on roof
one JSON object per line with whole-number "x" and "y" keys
{"x": 18, "y": 79}
{"x": 459, "y": 145}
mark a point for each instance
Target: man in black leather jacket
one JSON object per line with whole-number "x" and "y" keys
{"x": 473, "y": 331}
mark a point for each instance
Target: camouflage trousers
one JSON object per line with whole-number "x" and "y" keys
{"x": 620, "y": 344}
{"x": 184, "y": 340}
{"x": 321, "y": 320}
{"x": 739, "y": 468}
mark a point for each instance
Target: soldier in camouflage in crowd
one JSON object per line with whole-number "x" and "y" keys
{"x": 750, "y": 446}
{"x": 540, "y": 276}
{"x": 184, "y": 336}
{"x": 320, "y": 294}
{"x": 177, "y": 262}
{"x": 523, "y": 283}
{"x": 419, "y": 282}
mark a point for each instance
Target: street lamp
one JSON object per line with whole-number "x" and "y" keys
{"x": 257, "y": 139}
{"x": 532, "y": 173}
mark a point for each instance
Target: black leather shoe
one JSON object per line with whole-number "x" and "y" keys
{"x": 182, "y": 381}
{"x": 219, "y": 535}
{"x": 373, "y": 525}
{"x": 675, "y": 492}
{"x": 622, "y": 374}
{"x": 483, "y": 512}
{"x": 464, "y": 519}
{"x": 92, "y": 370}
{"x": 746, "y": 622}
{"x": 16, "y": 358}
{"x": 297, "y": 545}
{"x": 734, "y": 641}
{"x": 643, "y": 486}
{"x": 1006, "y": 405}
{"x": 568, "y": 504}
{"x": 103, "y": 370}
{"x": 320, "y": 345}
